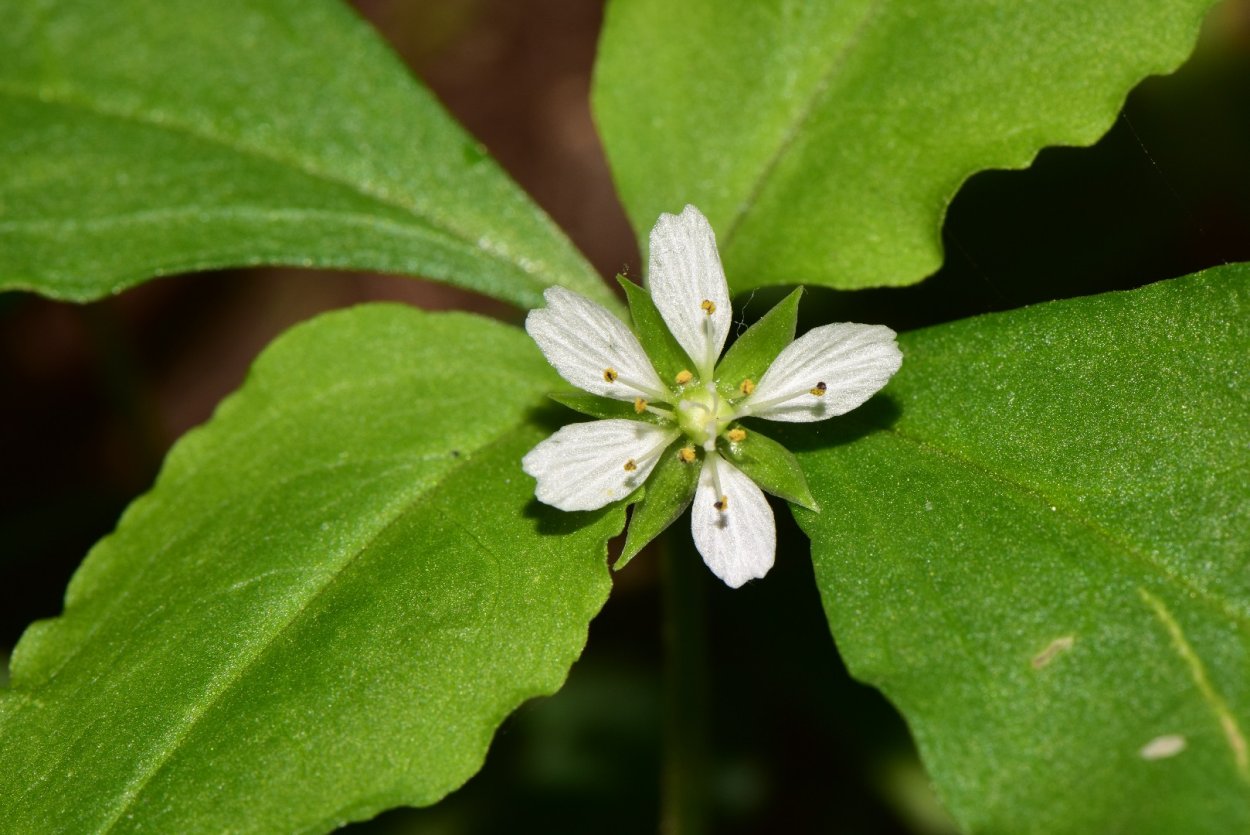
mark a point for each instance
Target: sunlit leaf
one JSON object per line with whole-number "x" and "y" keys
{"x": 332, "y": 596}
{"x": 825, "y": 140}
{"x": 1035, "y": 543}
{"x": 141, "y": 139}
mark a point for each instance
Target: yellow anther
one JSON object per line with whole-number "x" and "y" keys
{"x": 610, "y": 375}
{"x": 640, "y": 405}
{"x": 747, "y": 386}
{"x": 820, "y": 390}
{"x": 737, "y": 434}
{"x": 686, "y": 454}
{"x": 631, "y": 465}
{"x": 684, "y": 376}
{"x": 709, "y": 306}
{"x": 722, "y": 505}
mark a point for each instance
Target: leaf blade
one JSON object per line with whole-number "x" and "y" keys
{"x": 239, "y": 149}
{"x": 360, "y": 573}
{"x": 827, "y": 148}
{"x": 1040, "y": 559}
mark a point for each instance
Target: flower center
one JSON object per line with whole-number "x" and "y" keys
{"x": 703, "y": 415}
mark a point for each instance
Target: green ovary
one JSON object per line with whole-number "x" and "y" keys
{"x": 702, "y": 414}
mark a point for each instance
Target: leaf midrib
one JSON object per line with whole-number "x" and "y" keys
{"x": 837, "y": 61}
{"x": 201, "y": 708}
{"x": 477, "y": 243}
{"x": 1116, "y": 543}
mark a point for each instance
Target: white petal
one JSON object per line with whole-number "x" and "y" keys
{"x": 852, "y": 361}
{"x": 684, "y": 273}
{"x": 582, "y": 467}
{"x": 584, "y": 342}
{"x": 737, "y": 543}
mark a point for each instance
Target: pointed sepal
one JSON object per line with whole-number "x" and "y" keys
{"x": 666, "y": 496}
{"x": 769, "y": 464}
{"x": 661, "y": 347}
{"x": 750, "y": 355}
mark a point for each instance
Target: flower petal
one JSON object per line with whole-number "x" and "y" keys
{"x": 591, "y": 348}
{"x": 846, "y": 363}
{"x": 688, "y": 285}
{"x": 739, "y": 540}
{"x": 585, "y": 466}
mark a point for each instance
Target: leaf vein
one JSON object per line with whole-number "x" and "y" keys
{"x": 232, "y": 676}
{"x": 1136, "y": 554}
{"x": 383, "y": 198}
{"x": 791, "y": 135}
{"x": 1197, "y": 670}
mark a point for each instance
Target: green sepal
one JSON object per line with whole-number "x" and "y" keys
{"x": 770, "y": 465}
{"x": 751, "y": 354}
{"x": 602, "y": 407}
{"x": 669, "y": 491}
{"x": 662, "y": 348}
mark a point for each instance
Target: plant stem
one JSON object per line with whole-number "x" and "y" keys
{"x": 684, "y": 800}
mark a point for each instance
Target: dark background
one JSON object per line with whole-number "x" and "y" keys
{"x": 92, "y": 396}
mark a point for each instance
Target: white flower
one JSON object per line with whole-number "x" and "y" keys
{"x": 827, "y": 372}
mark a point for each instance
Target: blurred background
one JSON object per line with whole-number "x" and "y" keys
{"x": 94, "y": 395}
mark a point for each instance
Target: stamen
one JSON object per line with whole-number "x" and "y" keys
{"x": 684, "y": 376}
{"x": 746, "y": 408}
{"x": 737, "y": 434}
{"x": 715, "y": 473}
{"x": 640, "y": 405}
{"x": 611, "y": 375}
{"x": 651, "y": 455}
{"x": 708, "y": 306}
{"x": 686, "y": 454}
{"x": 747, "y": 386}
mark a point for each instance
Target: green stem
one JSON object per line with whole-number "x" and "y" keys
{"x": 685, "y": 797}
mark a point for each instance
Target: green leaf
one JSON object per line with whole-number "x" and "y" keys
{"x": 141, "y": 139}
{"x": 1035, "y": 544}
{"x": 751, "y": 354}
{"x": 335, "y": 592}
{"x": 662, "y": 348}
{"x": 825, "y": 140}
{"x": 770, "y": 465}
{"x": 666, "y": 496}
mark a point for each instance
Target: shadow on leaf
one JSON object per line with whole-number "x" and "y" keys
{"x": 881, "y": 412}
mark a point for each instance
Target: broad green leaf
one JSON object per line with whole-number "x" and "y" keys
{"x": 662, "y": 348}
{"x": 770, "y": 465}
{"x": 825, "y": 140}
{"x": 141, "y": 139}
{"x": 335, "y": 592}
{"x": 667, "y": 494}
{"x": 1036, "y": 545}
{"x": 751, "y": 354}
